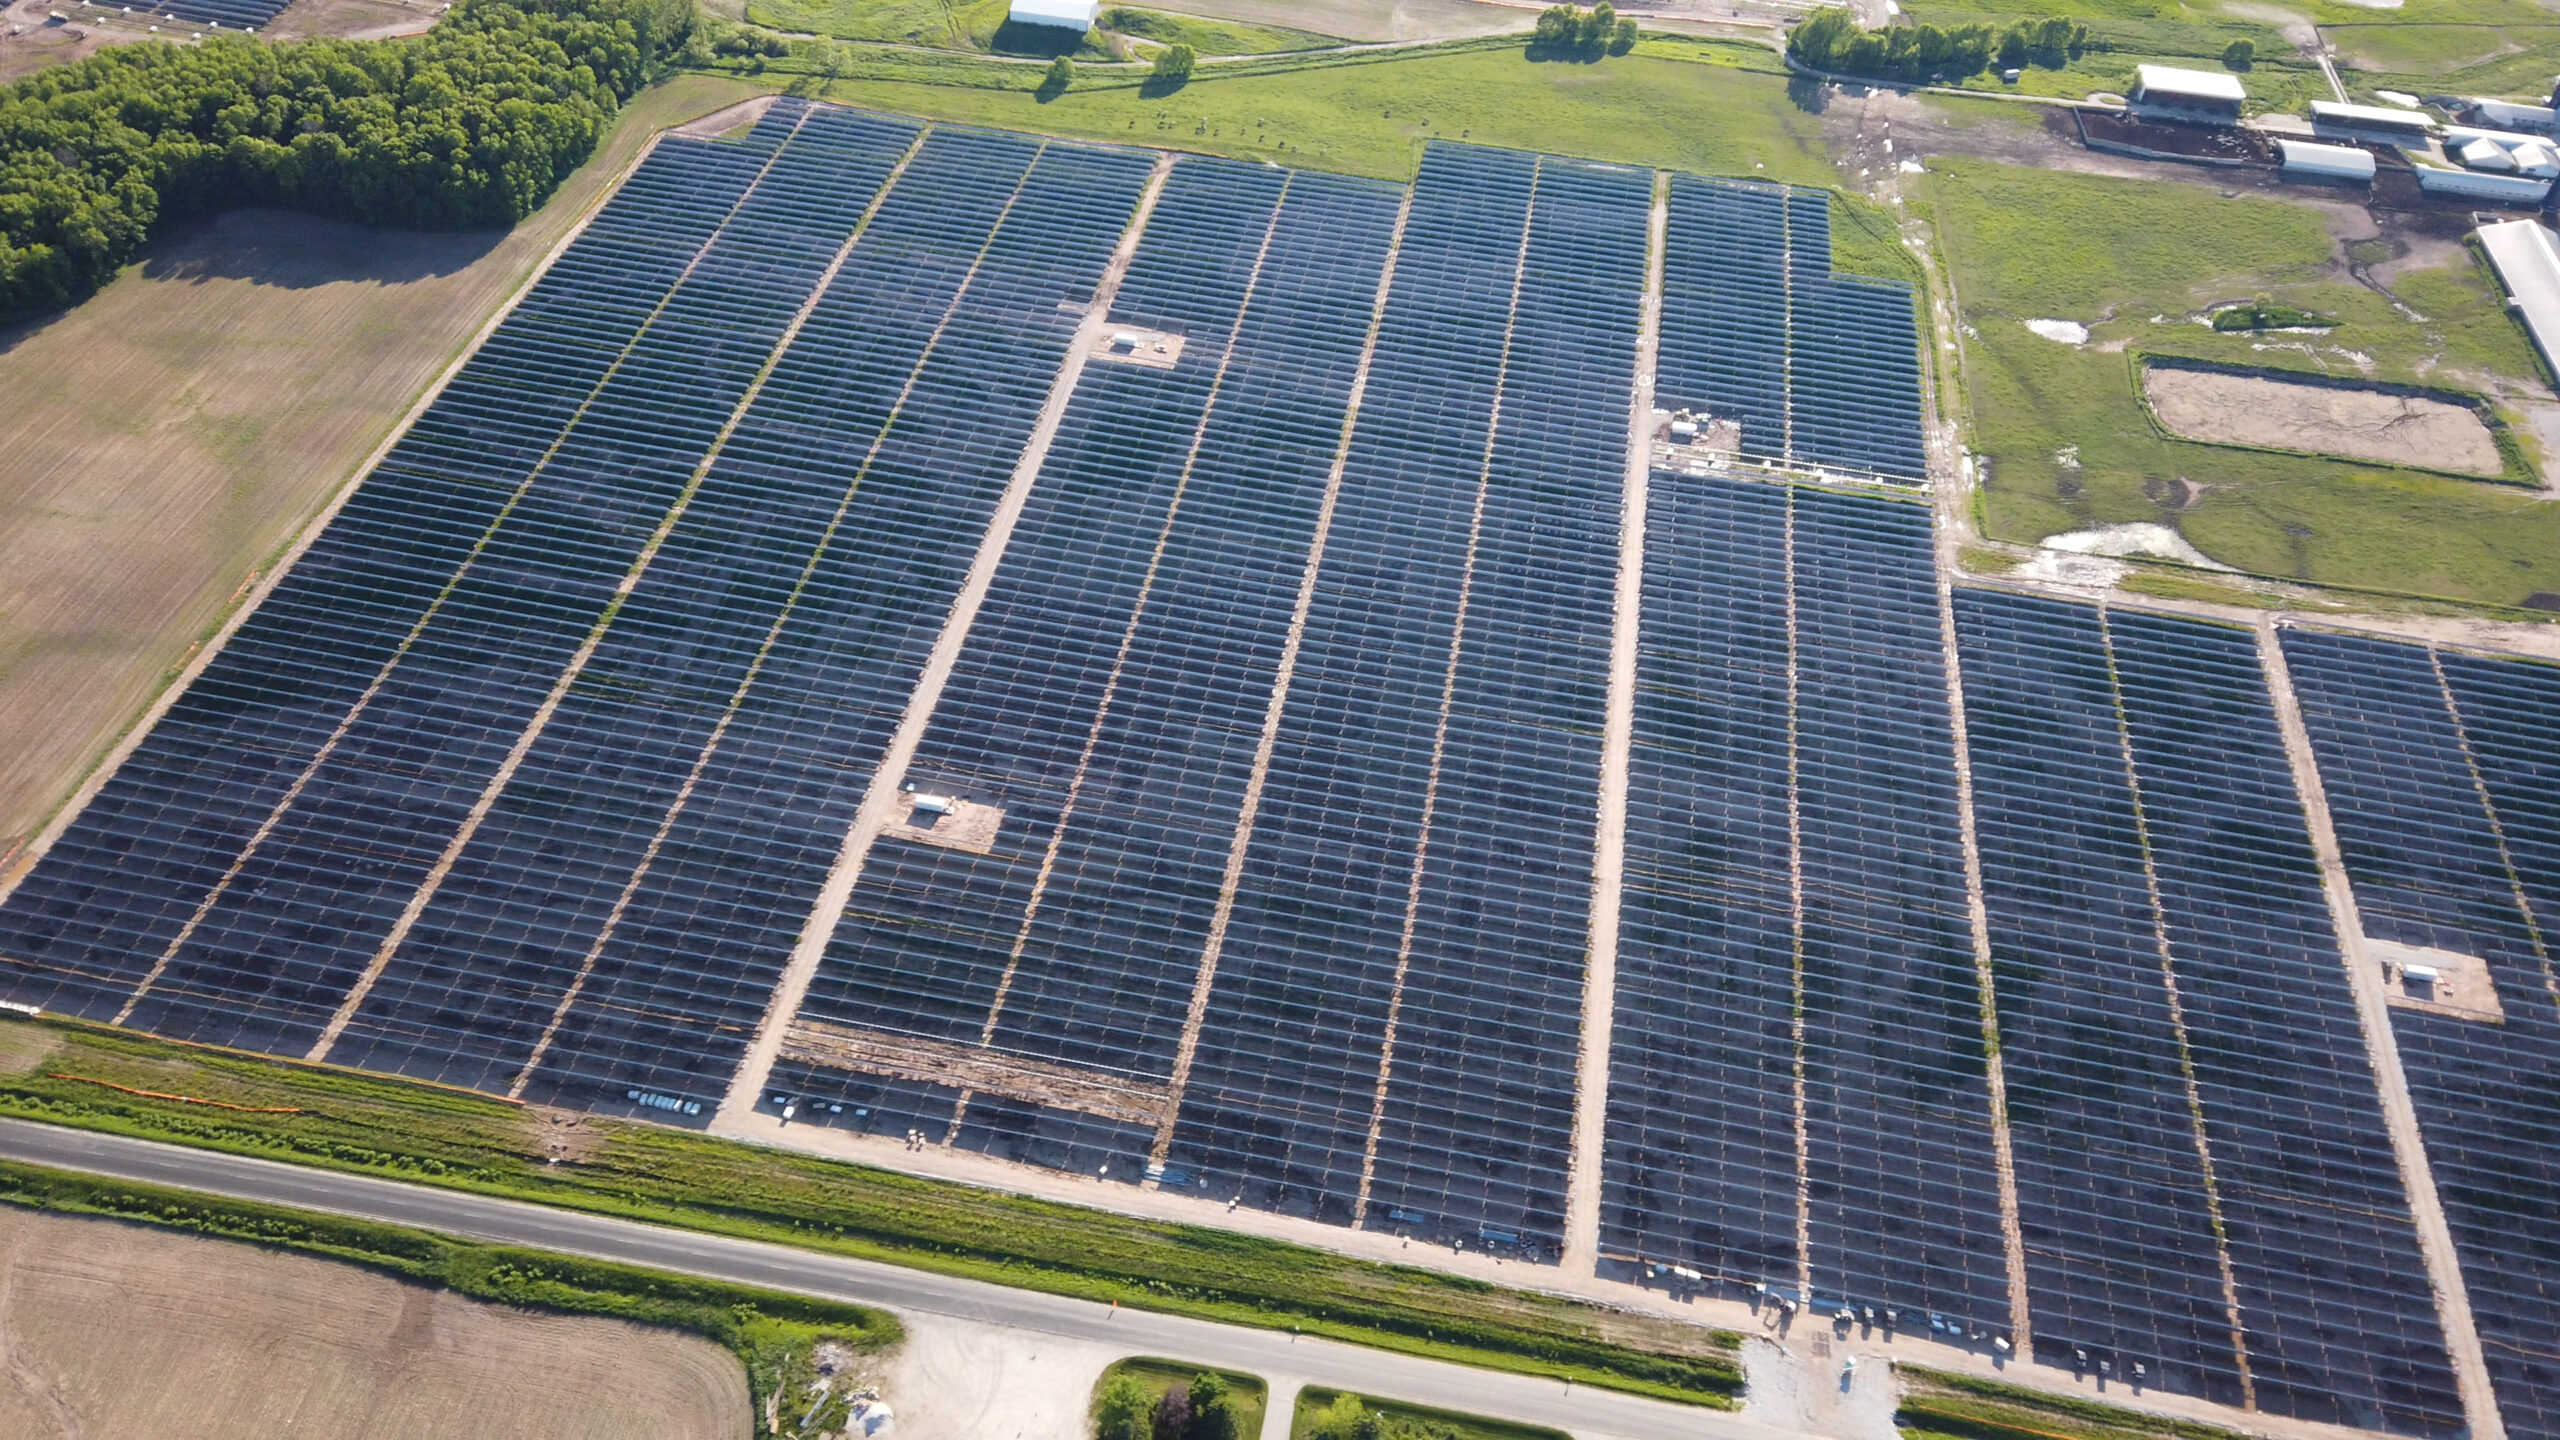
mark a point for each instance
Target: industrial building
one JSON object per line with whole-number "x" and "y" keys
{"x": 1076, "y": 15}
{"x": 2528, "y": 266}
{"x": 2507, "y": 189}
{"x": 2165, "y": 92}
{"x": 2381, "y": 124}
{"x": 2310, "y": 160}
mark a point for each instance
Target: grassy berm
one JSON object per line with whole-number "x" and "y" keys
{"x": 374, "y": 1125}
{"x": 775, "y": 1335}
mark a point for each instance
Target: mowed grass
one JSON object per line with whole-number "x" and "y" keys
{"x": 2071, "y": 447}
{"x": 1373, "y": 118}
{"x": 167, "y": 439}
{"x": 345, "y": 1120}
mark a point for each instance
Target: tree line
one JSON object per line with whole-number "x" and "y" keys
{"x": 471, "y": 125}
{"x": 1563, "y": 28}
{"x": 1829, "y": 39}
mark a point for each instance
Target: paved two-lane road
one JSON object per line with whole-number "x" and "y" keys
{"x": 1584, "y": 1411}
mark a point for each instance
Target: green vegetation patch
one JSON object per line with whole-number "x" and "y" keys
{"x": 1336, "y": 1415}
{"x": 345, "y": 1120}
{"x": 2165, "y": 585}
{"x": 1151, "y": 1399}
{"x": 2260, "y": 315}
{"x": 774, "y": 1334}
{"x": 2070, "y": 445}
{"x": 1371, "y": 116}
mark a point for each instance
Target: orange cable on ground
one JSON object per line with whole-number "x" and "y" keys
{"x": 186, "y": 1099}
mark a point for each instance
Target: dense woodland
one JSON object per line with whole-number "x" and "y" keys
{"x": 469, "y": 125}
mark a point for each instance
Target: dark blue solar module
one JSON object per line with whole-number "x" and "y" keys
{"x": 1791, "y": 652}
{"x": 2138, "y": 827}
{"x": 1818, "y": 369}
{"x": 249, "y": 15}
{"x": 115, "y": 891}
{"x": 1410, "y": 887}
{"x": 2438, "y": 776}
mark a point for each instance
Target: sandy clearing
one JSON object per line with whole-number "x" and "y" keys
{"x": 161, "y": 444}
{"x": 2324, "y": 419}
{"x": 955, "y": 1378}
{"x": 117, "y": 1332}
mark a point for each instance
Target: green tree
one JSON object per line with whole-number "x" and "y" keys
{"x": 1062, "y": 73}
{"x": 1213, "y": 1411}
{"x": 1345, "y": 1419}
{"x": 1598, "y": 24}
{"x": 2240, "y": 54}
{"x": 1558, "y": 26}
{"x": 1173, "y": 66}
{"x": 1123, "y": 1410}
{"x": 2013, "y": 48}
{"x": 1624, "y": 38}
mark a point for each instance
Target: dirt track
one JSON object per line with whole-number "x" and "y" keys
{"x": 2323, "y": 419}
{"x": 116, "y": 1332}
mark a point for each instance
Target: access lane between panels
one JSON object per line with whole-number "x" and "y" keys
{"x": 934, "y": 935}
{"x": 1477, "y": 1119}
{"x": 2429, "y": 868}
{"x": 277, "y": 952}
{"x": 741, "y": 867}
{"x": 2334, "y": 1297}
{"x": 98, "y": 912}
{"x": 498, "y": 952}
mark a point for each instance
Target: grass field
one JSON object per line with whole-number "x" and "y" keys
{"x": 1371, "y": 119}
{"x": 776, "y": 1337}
{"x": 2071, "y": 447}
{"x": 166, "y": 440}
{"x": 273, "y": 1345}
{"x": 1408, "y": 1420}
{"x": 1940, "y": 1406}
{"x": 675, "y": 1177}
{"x": 1247, "y": 1393}
{"x": 1211, "y": 37}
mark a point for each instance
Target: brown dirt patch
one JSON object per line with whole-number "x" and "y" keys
{"x": 563, "y": 1137}
{"x": 116, "y": 1332}
{"x": 2324, "y": 419}
{"x": 359, "y": 19}
{"x": 23, "y": 1047}
{"x": 161, "y": 445}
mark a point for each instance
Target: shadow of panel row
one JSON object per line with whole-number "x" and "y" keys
{"x": 1829, "y": 696}
{"x": 2180, "y": 1043}
{"x": 1818, "y": 370}
{"x": 1391, "y": 1036}
{"x": 114, "y": 894}
{"x": 2440, "y": 774}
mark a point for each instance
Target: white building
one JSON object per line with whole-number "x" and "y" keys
{"x": 1076, "y": 15}
{"x": 2165, "y": 92}
{"x": 2528, "y": 265}
{"x": 2308, "y": 160}
{"x": 2506, "y": 115}
{"x": 2390, "y": 126}
{"x": 2483, "y": 185}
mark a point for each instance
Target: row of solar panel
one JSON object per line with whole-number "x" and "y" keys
{"x": 1819, "y": 370}
{"x": 2440, "y": 772}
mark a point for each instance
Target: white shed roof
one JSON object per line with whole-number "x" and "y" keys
{"x": 2383, "y": 117}
{"x": 2196, "y": 84}
{"x": 1073, "y": 14}
{"x": 2344, "y": 161}
{"x": 2528, "y": 265}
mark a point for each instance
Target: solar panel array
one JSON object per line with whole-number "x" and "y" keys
{"x": 249, "y": 15}
{"x": 1820, "y": 370}
{"x": 1268, "y": 760}
{"x": 2441, "y": 773}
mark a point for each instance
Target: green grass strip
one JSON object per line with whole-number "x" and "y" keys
{"x": 376, "y": 1125}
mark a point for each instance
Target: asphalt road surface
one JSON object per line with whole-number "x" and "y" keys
{"x": 1584, "y": 1411}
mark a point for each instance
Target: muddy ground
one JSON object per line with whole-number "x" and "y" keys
{"x": 2354, "y": 423}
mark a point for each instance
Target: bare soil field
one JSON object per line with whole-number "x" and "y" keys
{"x": 163, "y": 445}
{"x": 118, "y": 1332}
{"x": 2322, "y": 419}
